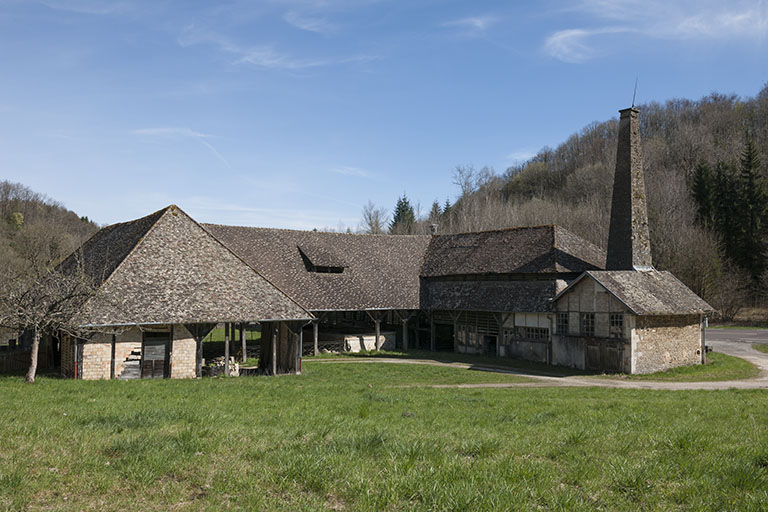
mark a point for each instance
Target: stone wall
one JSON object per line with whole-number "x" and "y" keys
{"x": 97, "y": 358}
{"x": 183, "y": 354}
{"x": 126, "y": 342}
{"x": 663, "y": 342}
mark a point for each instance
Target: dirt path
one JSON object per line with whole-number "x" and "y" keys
{"x": 735, "y": 344}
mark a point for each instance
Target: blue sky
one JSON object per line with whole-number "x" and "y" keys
{"x": 294, "y": 113}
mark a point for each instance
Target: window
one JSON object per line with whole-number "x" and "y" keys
{"x": 562, "y": 323}
{"x": 617, "y": 325}
{"x": 587, "y": 324}
{"x": 525, "y": 333}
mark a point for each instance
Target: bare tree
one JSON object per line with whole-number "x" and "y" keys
{"x": 42, "y": 299}
{"x": 374, "y": 219}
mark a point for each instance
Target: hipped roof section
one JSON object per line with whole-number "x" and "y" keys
{"x": 166, "y": 268}
{"x": 539, "y": 249}
{"x": 647, "y": 292}
{"x": 380, "y": 271}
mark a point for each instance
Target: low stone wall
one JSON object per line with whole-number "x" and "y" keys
{"x": 663, "y": 342}
{"x": 529, "y": 350}
{"x": 97, "y": 358}
{"x": 568, "y": 351}
{"x": 357, "y": 343}
{"x": 183, "y": 354}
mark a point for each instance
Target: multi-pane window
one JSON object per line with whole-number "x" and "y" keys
{"x": 525, "y": 333}
{"x": 562, "y": 323}
{"x": 617, "y": 325}
{"x": 587, "y": 324}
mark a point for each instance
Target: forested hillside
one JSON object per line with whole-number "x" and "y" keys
{"x": 33, "y": 226}
{"x": 571, "y": 186}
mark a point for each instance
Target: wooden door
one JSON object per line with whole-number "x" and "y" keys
{"x": 154, "y": 355}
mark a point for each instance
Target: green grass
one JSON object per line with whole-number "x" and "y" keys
{"x": 719, "y": 367}
{"x": 217, "y": 335}
{"x": 762, "y": 347}
{"x": 346, "y": 436}
{"x": 453, "y": 357}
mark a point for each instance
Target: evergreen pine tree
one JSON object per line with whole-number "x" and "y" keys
{"x": 435, "y": 212}
{"x": 725, "y": 200}
{"x": 703, "y": 189}
{"x": 752, "y": 208}
{"x": 447, "y": 206}
{"x": 403, "y": 217}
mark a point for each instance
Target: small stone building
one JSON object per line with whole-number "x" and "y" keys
{"x": 628, "y": 321}
{"x": 162, "y": 283}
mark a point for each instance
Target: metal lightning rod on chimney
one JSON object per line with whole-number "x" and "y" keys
{"x": 634, "y": 93}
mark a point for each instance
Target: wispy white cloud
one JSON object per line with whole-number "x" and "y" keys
{"x": 577, "y": 45}
{"x": 684, "y": 20}
{"x": 183, "y": 132}
{"x": 263, "y": 56}
{"x": 352, "y": 171}
{"x": 87, "y": 6}
{"x": 472, "y": 25}
{"x": 310, "y": 22}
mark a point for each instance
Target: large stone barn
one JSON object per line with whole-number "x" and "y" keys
{"x": 163, "y": 282}
{"x": 539, "y": 293}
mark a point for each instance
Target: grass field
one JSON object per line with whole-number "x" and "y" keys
{"x": 719, "y": 367}
{"x": 762, "y": 347}
{"x": 349, "y": 437}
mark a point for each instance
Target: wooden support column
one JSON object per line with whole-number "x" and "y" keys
{"x": 376, "y": 317}
{"x": 242, "y": 342}
{"x": 455, "y": 316}
{"x": 226, "y": 349}
{"x": 405, "y": 333}
{"x": 275, "y": 340}
{"x": 315, "y": 335}
{"x": 300, "y": 348}
{"x": 199, "y": 358}
{"x": 431, "y": 332}
{"x": 417, "y": 334}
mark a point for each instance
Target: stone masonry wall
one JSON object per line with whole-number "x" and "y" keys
{"x": 97, "y": 358}
{"x": 663, "y": 342}
{"x": 183, "y": 354}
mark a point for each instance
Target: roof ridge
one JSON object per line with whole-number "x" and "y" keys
{"x": 310, "y": 231}
{"x": 160, "y": 213}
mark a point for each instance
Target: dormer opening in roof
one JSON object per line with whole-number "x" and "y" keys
{"x": 321, "y": 259}
{"x": 629, "y": 244}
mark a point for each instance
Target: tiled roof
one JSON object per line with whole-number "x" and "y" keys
{"x": 541, "y": 249}
{"x": 529, "y": 296}
{"x": 650, "y": 292}
{"x": 380, "y": 271}
{"x": 166, "y": 268}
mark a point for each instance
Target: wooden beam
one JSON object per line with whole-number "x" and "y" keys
{"x": 226, "y": 350}
{"x": 315, "y": 335}
{"x": 242, "y": 342}
{"x": 377, "y": 343}
{"x": 199, "y": 358}
{"x": 431, "y": 332}
{"x": 275, "y": 338}
{"x": 299, "y": 352}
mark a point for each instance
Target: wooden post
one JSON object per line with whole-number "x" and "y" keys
{"x": 275, "y": 339}
{"x": 455, "y": 317}
{"x": 315, "y": 335}
{"x": 405, "y": 333}
{"x": 300, "y": 342}
{"x": 242, "y": 341}
{"x": 417, "y": 336}
{"x": 199, "y": 362}
{"x": 377, "y": 343}
{"x": 431, "y": 332}
{"x": 226, "y": 350}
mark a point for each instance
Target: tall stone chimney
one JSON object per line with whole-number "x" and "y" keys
{"x": 629, "y": 244}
